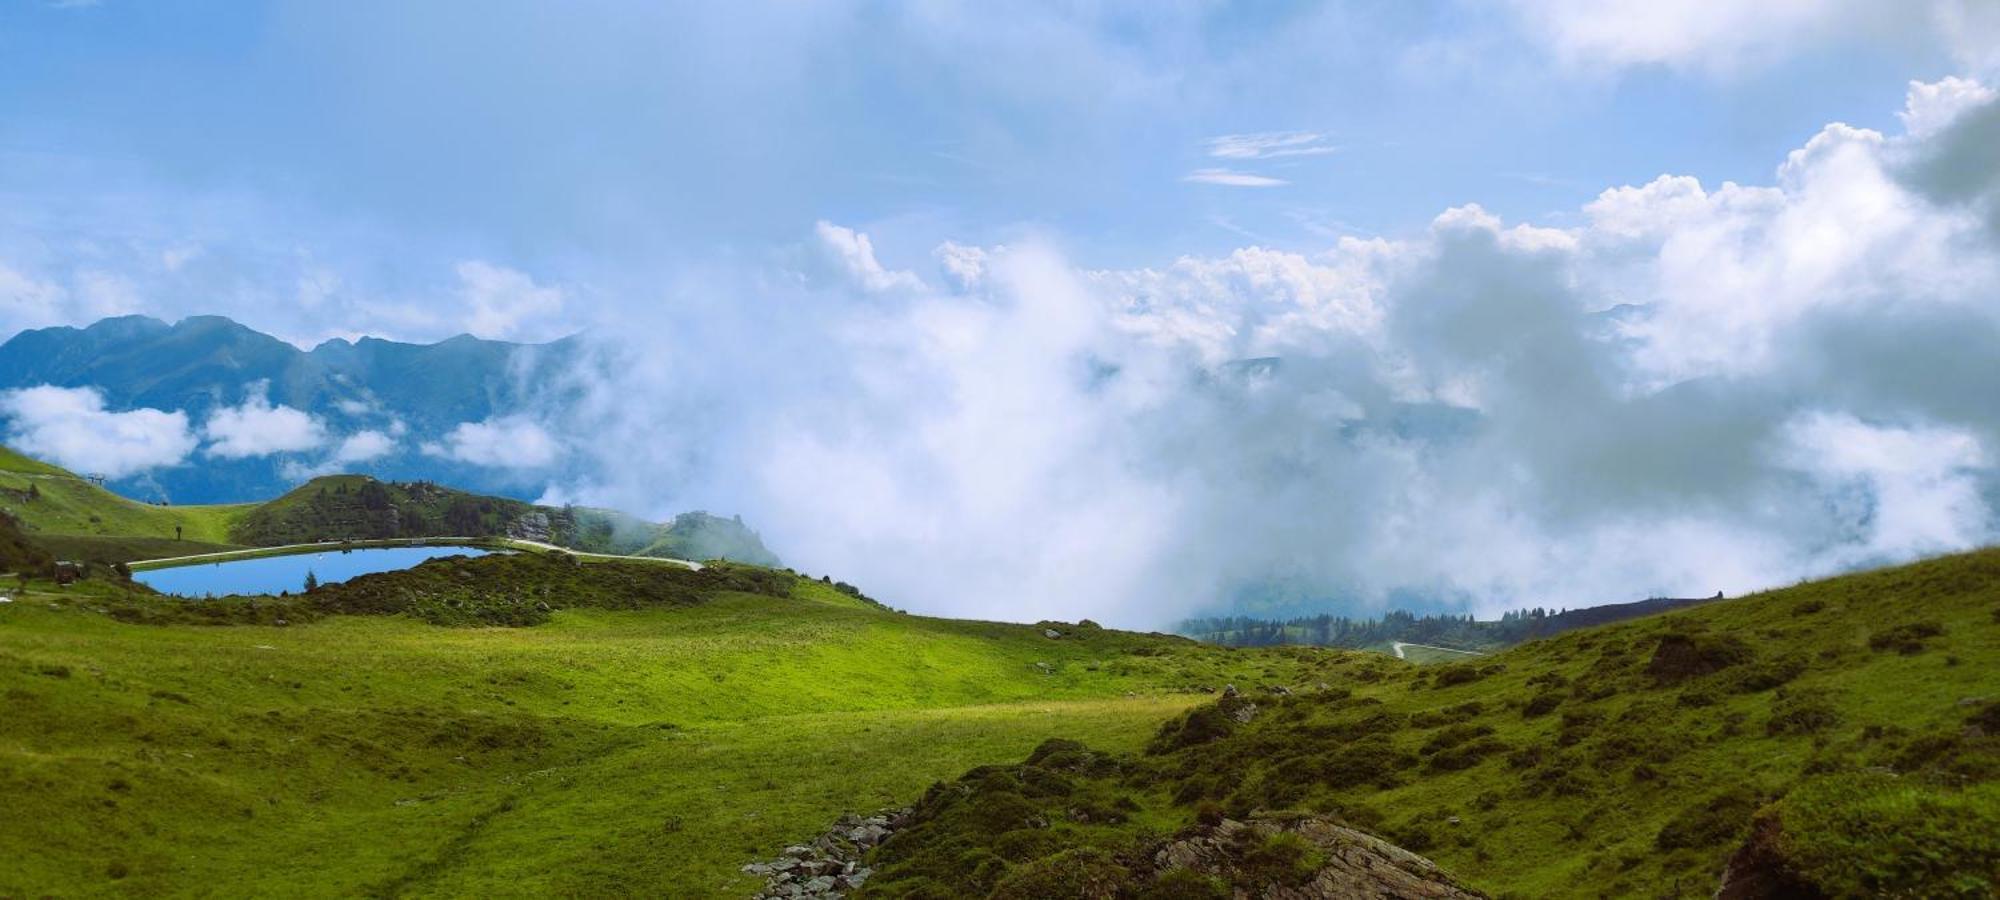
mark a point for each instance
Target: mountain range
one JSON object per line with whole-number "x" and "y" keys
{"x": 416, "y": 392}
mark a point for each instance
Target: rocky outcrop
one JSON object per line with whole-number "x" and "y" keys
{"x": 1758, "y": 871}
{"x": 531, "y": 526}
{"x": 831, "y": 865}
{"x": 1348, "y": 863}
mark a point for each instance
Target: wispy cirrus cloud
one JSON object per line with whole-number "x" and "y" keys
{"x": 1232, "y": 178}
{"x": 1269, "y": 145}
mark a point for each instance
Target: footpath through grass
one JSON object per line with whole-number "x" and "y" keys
{"x": 602, "y": 753}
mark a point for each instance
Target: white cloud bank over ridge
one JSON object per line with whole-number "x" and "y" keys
{"x": 71, "y": 427}
{"x": 1696, "y": 389}
{"x": 257, "y": 428}
{"x": 505, "y": 442}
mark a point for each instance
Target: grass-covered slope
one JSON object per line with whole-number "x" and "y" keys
{"x": 356, "y": 507}
{"x": 52, "y": 502}
{"x": 1853, "y": 725}
{"x": 650, "y": 750}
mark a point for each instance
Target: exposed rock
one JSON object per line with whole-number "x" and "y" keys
{"x": 1051, "y": 633}
{"x": 830, "y": 866}
{"x": 1757, "y": 870}
{"x": 532, "y": 526}
{"x": 1357, "y": 864}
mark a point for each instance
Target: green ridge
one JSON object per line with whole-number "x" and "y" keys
{"x": 1857, "y": 718}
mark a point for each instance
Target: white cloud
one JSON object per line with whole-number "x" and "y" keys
{"x": 257, "y": 428}
{"x": 359, "y": 447}
{"x": 965, "y": 266}
{"x": 1269, "y": 145}
{"x": 1232, "y": 178}
{"x": 1727, "y": 36}
{"x": 506, "y": 304}
{"x": 1933, "y": 107}
{"x": 509, "y": 442}
{"x": 1910, "y": 491}
{"x": 363, "y": 446}
{"x": 1694, "y": 388}
{"x": 71, "y": 427}
{"x": 854, "y": 254}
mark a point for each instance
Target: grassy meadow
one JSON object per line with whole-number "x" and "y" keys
{"x": 604, "y": 752}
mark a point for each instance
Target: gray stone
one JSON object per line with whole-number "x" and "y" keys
{"x": 1357, "y": 864}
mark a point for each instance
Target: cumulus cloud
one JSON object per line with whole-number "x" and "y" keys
{"x": 257, "y": 428}
{"x": 72, "y": 427}
{"x": 360, "y": 447}
{"x": 1693, "y": 388}
{"x": 853, "y": 254}
{"x": 1232, "y": 178}
{"x": 508, "y": 442}
{"x": 364, "y": 446}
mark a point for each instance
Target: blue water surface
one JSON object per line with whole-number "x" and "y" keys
{"x": 272, "y": 574}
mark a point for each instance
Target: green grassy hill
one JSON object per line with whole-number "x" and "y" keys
{"x": 343, "y": 507}
{"x": 50, "y": 502}
{"x": 1855, "y": 721}
{"x": 532, "y": 724}
{"x": 653, "y": 749}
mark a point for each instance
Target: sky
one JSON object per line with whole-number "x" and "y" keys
{"x": 1572, "y": 301}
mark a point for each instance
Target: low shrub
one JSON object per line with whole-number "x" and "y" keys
{"x": 1681, "y": 656}
{"x": 1764, "y": 675}
{"x": 1801, "y": 712}
{"x": 1720, "y": 819}
{"x": 1454, "y": 675}
{"x": 1874, "y": 835}
{"x": 1083, "y": 874}
{"x": 1283, "y": 858}
{"x": 1906, "y": 639}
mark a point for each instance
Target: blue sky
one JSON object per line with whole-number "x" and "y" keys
{"x": 611, "y": 142}
{"x": 1576, "y": 301}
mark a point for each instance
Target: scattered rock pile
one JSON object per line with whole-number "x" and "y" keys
{"x": 830, "y": 866}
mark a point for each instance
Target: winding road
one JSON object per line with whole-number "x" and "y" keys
{"x": 1399, "y": 645}
{"x": 323, "y": 546}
